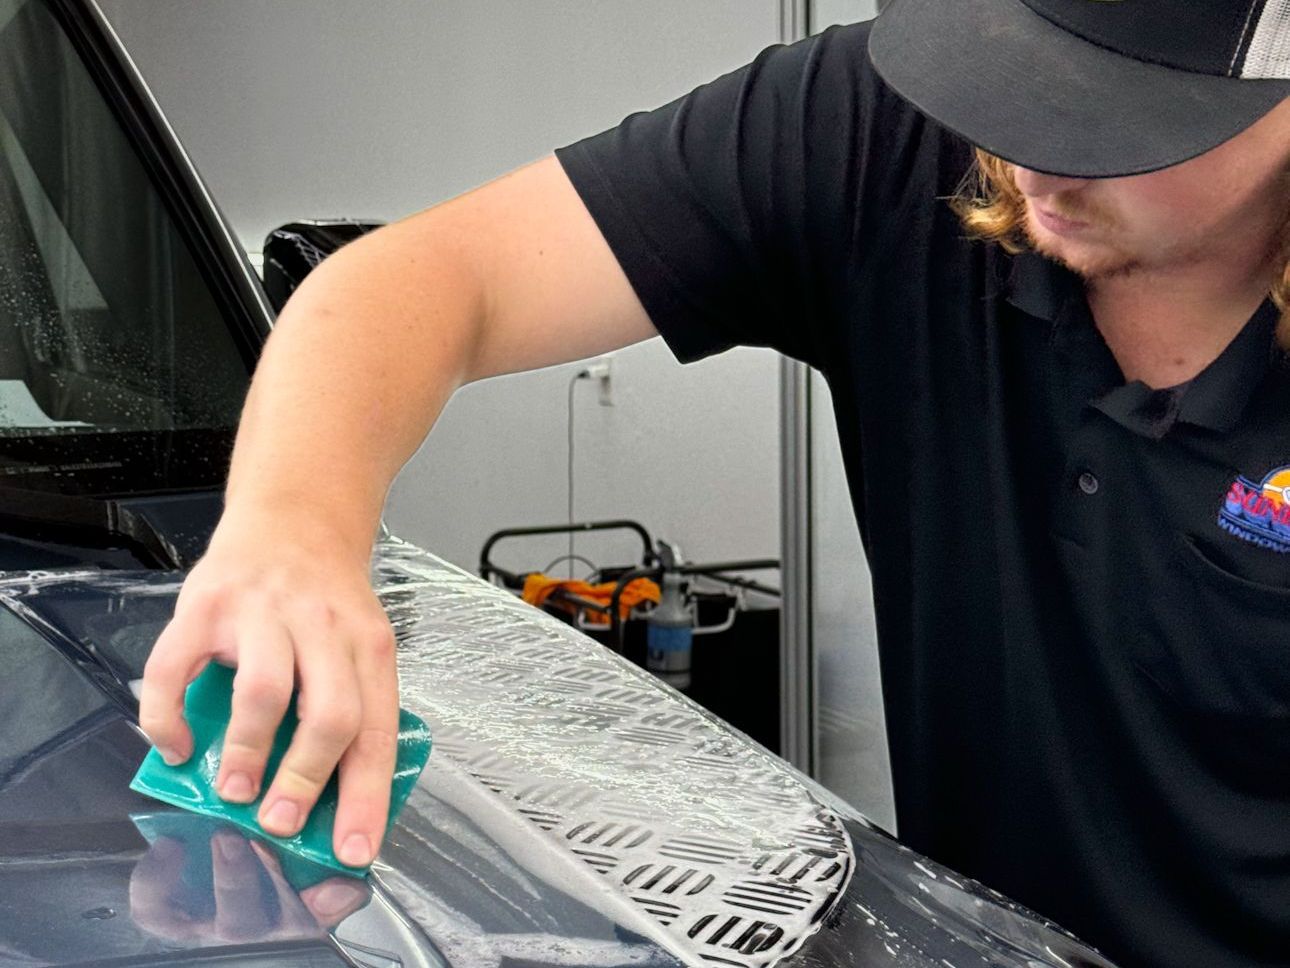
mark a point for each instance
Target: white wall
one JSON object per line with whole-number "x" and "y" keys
{"x": 313, "y": 108}
{"x": 826, "y": 12}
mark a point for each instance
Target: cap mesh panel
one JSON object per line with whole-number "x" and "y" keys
{"x": 1269, "y": 54}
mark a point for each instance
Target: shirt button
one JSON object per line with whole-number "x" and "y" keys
{"x": 1088, "y": 483}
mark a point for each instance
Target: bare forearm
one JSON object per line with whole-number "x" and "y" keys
{"x": 511, "y": 277}
{"x": 363, "y": 359}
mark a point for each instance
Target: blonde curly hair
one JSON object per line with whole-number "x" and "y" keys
{"x": 992, "y": 208}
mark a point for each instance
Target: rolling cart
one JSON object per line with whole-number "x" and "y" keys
{"x": 714, "y": 634}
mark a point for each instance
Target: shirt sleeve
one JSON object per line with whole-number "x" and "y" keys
{"x": 737, "y": 210}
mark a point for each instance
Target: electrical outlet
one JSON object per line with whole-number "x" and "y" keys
{"x": 601, "y": 370}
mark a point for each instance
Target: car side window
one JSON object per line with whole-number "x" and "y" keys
{"x": 106, "y": 322}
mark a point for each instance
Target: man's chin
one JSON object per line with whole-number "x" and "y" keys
{"x": 1092, "y": 263}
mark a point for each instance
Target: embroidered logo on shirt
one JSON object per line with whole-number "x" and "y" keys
{"x": 1259, "y": 513}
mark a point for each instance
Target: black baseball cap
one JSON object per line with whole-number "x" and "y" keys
{"x": 1088, "y": 88}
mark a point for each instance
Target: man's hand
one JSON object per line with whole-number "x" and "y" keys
{"x": 289, "y": 607}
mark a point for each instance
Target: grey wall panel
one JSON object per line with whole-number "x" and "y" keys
{"x": 826, "y": 12}
{"x": 298, "y": 106}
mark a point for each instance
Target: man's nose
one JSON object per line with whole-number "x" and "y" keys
{"x": 1035, "y": 183}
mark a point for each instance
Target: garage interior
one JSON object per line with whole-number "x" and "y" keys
{"x": 327, "y": 109}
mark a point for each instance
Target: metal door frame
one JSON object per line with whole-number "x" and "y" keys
{"x": 797, "y": 649}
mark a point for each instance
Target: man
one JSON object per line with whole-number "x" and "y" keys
{"x": 1060, "y": 397}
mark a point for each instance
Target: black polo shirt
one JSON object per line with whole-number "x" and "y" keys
{"x": 1083, "y": 595}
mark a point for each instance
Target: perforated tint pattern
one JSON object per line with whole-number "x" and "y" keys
{"x": 717, "y": 843}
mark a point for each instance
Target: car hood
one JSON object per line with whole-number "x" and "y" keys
{"x": 575, "y": 811}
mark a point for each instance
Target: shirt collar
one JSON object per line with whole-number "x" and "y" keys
{"x": 1040, "y": 287}
{"x": 1215, "y": 399}
{"x": 1219, "y": 394}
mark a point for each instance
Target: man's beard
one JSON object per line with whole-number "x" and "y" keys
{"x": 1109, "y": 263}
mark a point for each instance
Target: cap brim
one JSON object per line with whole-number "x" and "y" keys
{"x": 1011, "y": 82}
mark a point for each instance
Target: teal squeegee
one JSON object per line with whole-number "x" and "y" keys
{"x": 191, "y": 785}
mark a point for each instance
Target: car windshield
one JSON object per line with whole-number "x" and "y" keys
{"x": 116, "y": 364}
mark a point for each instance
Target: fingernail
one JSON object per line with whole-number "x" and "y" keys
{"x": 281, "y": 818}
{"x": 238, "y": 788}
{"x": 356, "y": 851}
{"x": 333, "y": 898}
{"x": 170, "y": 756}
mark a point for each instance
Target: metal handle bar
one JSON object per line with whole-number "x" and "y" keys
{"x": 487, "y": 569}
